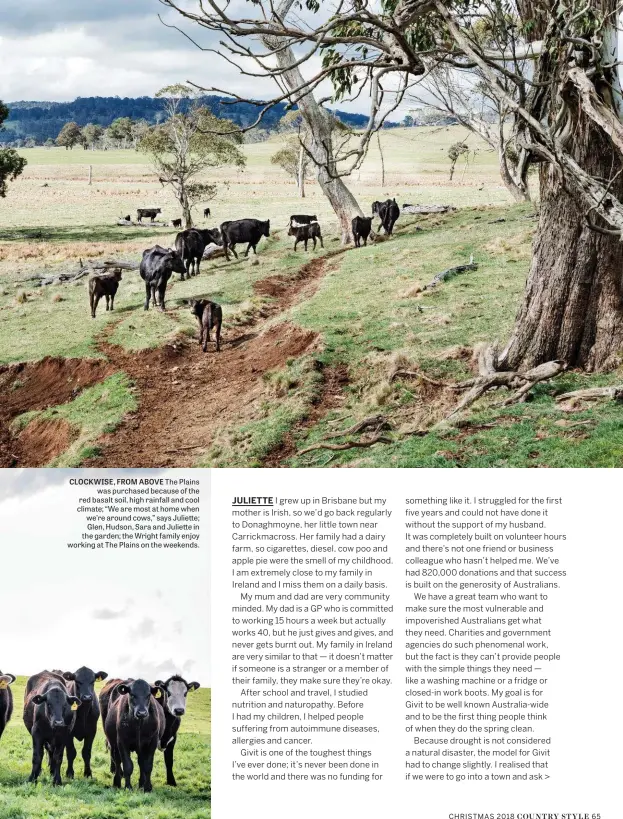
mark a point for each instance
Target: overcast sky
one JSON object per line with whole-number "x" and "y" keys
{"x": 129, "y": 613}
{"x": 68, "y": 48}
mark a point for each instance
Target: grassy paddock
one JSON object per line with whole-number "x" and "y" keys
{"x": 367, "y": 311}
{"x": 96, "y": 799}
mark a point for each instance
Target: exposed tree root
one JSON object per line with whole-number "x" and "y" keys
{"x": 450, "y": 272}
{"x": 379, "y": 422}
{"x": 377, "y": 439}
{"x": 416, "y": 374}
{"x": 614, "y": 393}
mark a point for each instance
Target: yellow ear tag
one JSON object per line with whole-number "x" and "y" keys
{"x": 4, "y": 684}
{"x": 74, "y": 706}
{"x": 158, "y": 694}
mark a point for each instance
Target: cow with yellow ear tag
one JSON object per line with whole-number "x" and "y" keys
{"x": 81, "y": 684}
{"x": 175, "y": 691}
{"x": 6, "y": 700}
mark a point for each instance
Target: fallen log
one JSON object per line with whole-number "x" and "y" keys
{"x": 85, "y": 270}
{"x": 450, "y": 272}
{"x": 614, "y": 393}
{"x": 213, "y": 252}
{"x": 424, "y": 209}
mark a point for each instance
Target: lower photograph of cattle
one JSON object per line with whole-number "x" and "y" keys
{"x": 110, "y": 690}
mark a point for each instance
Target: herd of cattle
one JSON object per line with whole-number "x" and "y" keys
{"x": 62, "y": 707}
{"x": 159, "y": 263}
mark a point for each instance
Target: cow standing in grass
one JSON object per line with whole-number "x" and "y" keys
{"x": 104, "y": 284}
{"x": 305, "y": 233}
{"x": 243, "y": 231}
{"x": 134, "y": 723}
{"x": 81, "y": 684}
{"x": 6, "y": 700}
{"x": 150, "y": 212}
{"x": 209, "y": 314}
{"x": 157, "y": 266}
{"x": 388, "y": 212}
{"x": 49, "y": 717}
{"x": 362, "y": 227}
{"x": 173, "y": 702}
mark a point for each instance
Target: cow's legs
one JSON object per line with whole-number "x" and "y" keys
{"x": 115, "y": 766}
{"x": 71, "y": 755}
{"x": 321, "y": 242}
{"x": 218, "y": 335}
{"x": 161, "y": 291}
{"x": 168, "y": 761}
{"x": 127, "y": 766}
{"x": 107, "y": 302}
{"x": 198, "y": 263}
{"x": 146, "y": 763}
{"x": 147, "y": 295}
{"x": 94, "y": 303}
{"x": 296, "y": 241}
{"x": 37, "y": 756}
{"x": 153, "y": 294}
{"x": 86, "y": 755}
{"x": 56, "y": 760}
{"x": 233, "y": 250}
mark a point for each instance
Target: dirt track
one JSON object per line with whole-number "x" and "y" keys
{"x": 184, "y": 394}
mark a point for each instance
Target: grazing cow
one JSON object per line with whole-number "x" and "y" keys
{"x": 177, "y": 223}
{"x": 362, "y": 227}
{"x": 157, "y": 266}
{"x": 134, "y": 723}
{"x": 241, "y": 231}
{"x": 190, "y": 245}
{"x": 302, "y": 219}
{"x": 303, "y": 233}
{"x": 206, "y": 213}
{"x": 151, "y": 212}
{"x": 209, "y": 314}
{"x": 106, "y": 284}
{"x": 49, "y": 716}
{"x": 173, "y": 702}
{"x": 80, "y": 684}
{"x": 388, "y": 212}
{"x": 6, "y": 700}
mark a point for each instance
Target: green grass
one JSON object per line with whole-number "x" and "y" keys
{"x": 96, "y": 799}
{"x": 96, "y": 411}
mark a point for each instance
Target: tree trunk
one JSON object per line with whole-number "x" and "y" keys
{"x": 185, "y": 205}
{"x": 517, "y": 189}
{"x": 318, "y": 140}
{"x": 301, "y": 172}
{"x": 378, "y": 139}
{"x": 572, "y": 308}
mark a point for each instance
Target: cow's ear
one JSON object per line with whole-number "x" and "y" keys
{"x": 123, "y": 689}
{"x": 69, "y": 675}
{"x": 5, "y": 681}
{"x": 74, "y": 702}
{"x": 160, "y": 684}
{"x": 193, "y": 686}
{"x": 156, "y": 691}
{"x": 101, "y": 675}
{"x": 38, "y": 699}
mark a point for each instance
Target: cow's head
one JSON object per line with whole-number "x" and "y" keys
{"x": 117, "y": 275}
{"x": 6, "y": 680}
{"x": 59, "y": 706}
{"x": 376, "y": 207}
{"x": 84, "y": 679}
{"x": 265, "y": 227}
{"x": 139, "y": 696}
{"x": 176, "y": 689}
{"x": 212, "y": 236}
{"x": 197, "y": 307}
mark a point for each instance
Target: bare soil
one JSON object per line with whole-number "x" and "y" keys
{"x": 37, "y": 386}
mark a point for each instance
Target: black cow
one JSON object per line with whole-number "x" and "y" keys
{"x": 6, "y": 700}
{"x": 241, "y": 231}
{"x": 190, "y": 245}
{"x": 302, "y": 219}
{"x": 173, "y": 702}
{"x": 49, "y": 716}
{"x": 303, "y": 233}
{"x": 206, "y": 213}
{"x": 362, "y": 227}
{"x": 80, "y": 684}
{"x": 151, "y": 212}
{"x": 209, "y": 314}
{"x": 128, "y": 218}
{"x": 134, "y": 723}
{"x": 106, "y": 284}
{"x": 388, "y": 212}
{"x": 176, "y": 223}
{"x": 157, "y": 266}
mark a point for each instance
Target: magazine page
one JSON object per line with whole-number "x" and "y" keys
{"x": 311, "y": 329}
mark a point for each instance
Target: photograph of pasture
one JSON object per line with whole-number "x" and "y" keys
{"x": 323, "y": 244}
{"x": 105, "y": 707}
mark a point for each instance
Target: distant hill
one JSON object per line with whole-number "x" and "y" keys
{"x": 44, "y": 120}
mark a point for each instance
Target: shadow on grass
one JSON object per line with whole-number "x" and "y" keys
{"x": 77, "y": 233}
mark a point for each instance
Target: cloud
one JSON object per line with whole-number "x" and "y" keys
{"x": 145, "y": 628}
{"x": 110, "y": 614}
